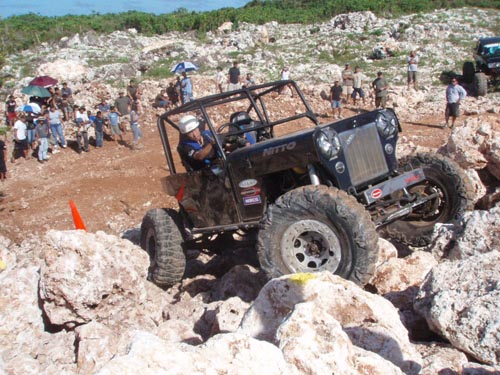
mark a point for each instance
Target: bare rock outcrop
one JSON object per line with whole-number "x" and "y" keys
{"x": 92, "y": 277}
{"x": 460, "y": 300}
{"x": 370, "y": 321}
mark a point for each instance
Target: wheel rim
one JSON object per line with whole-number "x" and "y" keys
{"x": 435, "y": 209}
{"x": 310, "y": 245}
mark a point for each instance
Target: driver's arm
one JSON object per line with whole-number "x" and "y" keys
{"x": 204, "y": 152}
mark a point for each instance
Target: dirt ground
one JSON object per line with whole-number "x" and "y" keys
{"x": 113, "y": 186}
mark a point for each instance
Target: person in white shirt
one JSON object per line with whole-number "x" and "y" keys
{"x": 20, "y": 138}
{"x": 82, "y": 125}
{"x": 412, "y": 69}
{"x": 454, "y": 94}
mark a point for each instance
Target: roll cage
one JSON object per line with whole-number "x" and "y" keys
{"x": 255, "y": 98}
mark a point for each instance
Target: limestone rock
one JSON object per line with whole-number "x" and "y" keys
{"x": 370, "y": 321}
{"x": 96, "y": 277}
{"x": 441, "y": 359}
{"x": 460, "y": 301}
{"x": 232, "y": 353}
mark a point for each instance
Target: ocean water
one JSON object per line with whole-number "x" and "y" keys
{"x": 78, "y": 7}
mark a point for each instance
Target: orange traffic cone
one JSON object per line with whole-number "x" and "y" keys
{"x": 77, "y": 219}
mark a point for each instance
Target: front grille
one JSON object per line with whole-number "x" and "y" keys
{"x": 363, "y": 153}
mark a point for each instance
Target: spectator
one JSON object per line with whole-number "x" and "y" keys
{"x": 454, "y": 94}
{"x": 380, "y": 87}
{"x": 285, "y": 76}
{"x": 3, "y": 160}
{"x": 10, "y": 110}
{"x": 99, "y": 129}
{"x": 103, "y": 106}
{"x": 173, "y": 95}
{"x": 122, "y": 104}
{"x": 67, "y": 91}
{"x": 234, "y": 77}
{"x": 132, "y": 90}
{"x": 347, "y": 82}
{"x": 135, "y": 115}
{"x": 114, "y": 119}
{"x": 30, "y": 129}
{"x": 219, "y": 80}
{"x": 336, "y": 99}
{"x": 42, "y": 134}
{"x": 20, "y": 138}
{"x": 412, "y": 69}
{"x": 249, "y": 81}
{"x": 161, "y": 100}
{"x": 186, "y": 88}
{"x": 357, "y": 86}
{"x": 55, "y": 120}
{"x": 82, "y": 126}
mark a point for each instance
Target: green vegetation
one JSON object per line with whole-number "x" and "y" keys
{"x": 22, "y": 32}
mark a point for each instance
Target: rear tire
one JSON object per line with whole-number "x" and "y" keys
{"x": 468, "y": 71}
{"x": 480, "y": 83}
{"x": 316, "y": 228}
{"x": 162, "y": 239}
{"x": 454, "y": 190}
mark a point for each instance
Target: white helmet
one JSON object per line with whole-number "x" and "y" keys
{"x": 188, "y": 123}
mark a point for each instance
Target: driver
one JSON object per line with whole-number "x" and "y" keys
{"x": 196, "y": 148}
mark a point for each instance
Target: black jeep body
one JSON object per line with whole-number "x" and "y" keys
{"x": 315, "y": 193}
{"x": 486, "y": 69}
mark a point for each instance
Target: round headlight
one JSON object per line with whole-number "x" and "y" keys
{"x": 328, "y": 144}
{"x": 386, "y": 127}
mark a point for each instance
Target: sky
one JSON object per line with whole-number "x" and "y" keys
{"x": 63, "y": 7}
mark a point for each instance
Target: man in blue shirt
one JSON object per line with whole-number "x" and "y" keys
{"x": 187, "y": 88}
{"x": 454, "y": 94}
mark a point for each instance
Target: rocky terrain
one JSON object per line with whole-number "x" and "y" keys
{"x": 79, "y": 303}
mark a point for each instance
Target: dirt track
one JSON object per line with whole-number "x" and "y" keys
{"x": 112, "y": 186}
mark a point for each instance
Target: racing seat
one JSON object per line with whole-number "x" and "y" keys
{"x": 243, "y": 121}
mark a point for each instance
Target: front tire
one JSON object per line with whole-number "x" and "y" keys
{"x": 162, "y": 240}
{"x": 468, "y": 71}
{"x": 316, "y": 228}
{"x": 480, "y": 83}
{"x": 453, "y": 190}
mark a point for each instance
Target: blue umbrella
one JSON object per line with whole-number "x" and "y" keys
{"x": 30, "y": 107}
{"x": 185, "y": 66}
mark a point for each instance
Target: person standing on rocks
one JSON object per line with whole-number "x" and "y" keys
{"x": 122, "y": 104}
{"x": 234, "y": 77}
{"x": 412, "y": 69}
{"x": 132, "y": 90}
{"x": 357, "y": 86}
{"x": 347, "y": 82}
{"x": 10, "y": 110}
{"x": 336, "y": 99}
{"x": 186, "y": 88}
{"x": 380, "y": 87}
{"x": 454, "y": 94}
{"x": 135, "y": 114}
{"x": 219, "y": 80}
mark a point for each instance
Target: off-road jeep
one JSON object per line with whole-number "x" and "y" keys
{"x": 487, "y": 65}
{"x": 314, "y": 194}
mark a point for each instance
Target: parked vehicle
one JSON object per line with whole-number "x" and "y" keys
{"x": 487, "y": 65}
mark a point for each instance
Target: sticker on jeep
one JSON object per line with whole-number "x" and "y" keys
{"x": 247, "y": 183}
{"x": 277, "y": 149}
{"x": 254, "y": 199}
{"x": 251, "y": 191}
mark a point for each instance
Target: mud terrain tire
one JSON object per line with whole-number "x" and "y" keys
{"x": 162, "y": 239}
{"x": 480, "y": 84}
{"x": 316, "y": 228}
{"x": 468, "y": 71}
{"x": 454, "y": 190}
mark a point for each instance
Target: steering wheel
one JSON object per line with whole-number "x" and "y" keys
{"x": 232, "y": 141}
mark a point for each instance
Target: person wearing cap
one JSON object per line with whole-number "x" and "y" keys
{"x": 347, "y": 82}
{"x": 82, "y": 125}
{"x": 195, "y": 148}
{"x": 380, "y": 87}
